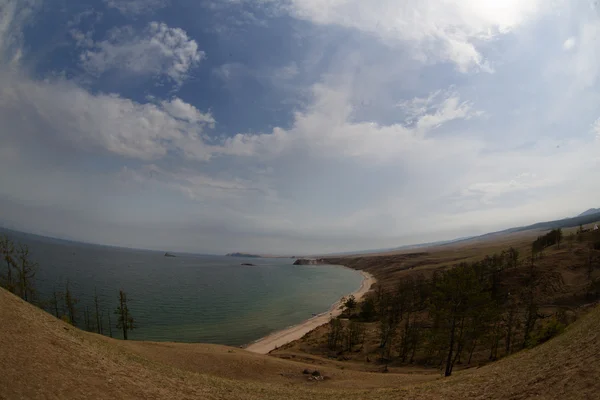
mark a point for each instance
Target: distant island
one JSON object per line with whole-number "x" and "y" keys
{"x": 249, "y": 264}
{"x": 167, "y": 254}
{"x": 242, "y": 255}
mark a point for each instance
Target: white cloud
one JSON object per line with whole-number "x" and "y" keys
{"x": 569, "y": 43}
{"x": 230, "y": 71}
{"x": 179, "y": 109}
{"x": 136, "y": 7}
{"x": 159, "y": 50}
{"x": 585, "y": 62}
{"x": 430, "y": 112}
{"x": 334, "y": 176}
{"x": 13, "y": 15}
{"x": 596, "y": 128}
{"x": 71, "y": 115}
{"x": 437, "y": 30}
{"x": 325, "y": 129}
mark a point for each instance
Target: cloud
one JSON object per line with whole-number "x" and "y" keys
{"x": 596, "y": 128}
{"x": 136, "y": 7}
{"x": 13, "y": 15}
{"x": 569, "y": 43}
{"x": 429, "y": 112}
{"x": 286, "y": 72}
{"x": 435, "y": 153}
{"x": 584, "y": 63}
{"x": 325, "y": 128}
{"x": 158, "y": 51}
{"x": 229, "y": 71}
{"x": 181, "y": 110}
{"x": 62, "y": 112}
{"x": 436, "y": 30}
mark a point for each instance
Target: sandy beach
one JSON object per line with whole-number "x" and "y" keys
{"x": 279, "y": 338}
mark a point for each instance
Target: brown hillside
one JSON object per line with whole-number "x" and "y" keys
{"x": 42, "y": 357}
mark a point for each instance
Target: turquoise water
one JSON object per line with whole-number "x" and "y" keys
{"x": 191, "y": 298}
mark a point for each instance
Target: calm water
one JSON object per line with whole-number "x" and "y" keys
{"x": 191, "y": 298}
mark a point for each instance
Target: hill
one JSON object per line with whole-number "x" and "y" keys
{"x": 43, "y": 357}
{"x": 587, "y": 217}
{"x": 591, "y": 211}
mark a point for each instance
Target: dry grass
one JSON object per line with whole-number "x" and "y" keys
{"x": 44, "y": 358}
{"x": 562, "y": 285}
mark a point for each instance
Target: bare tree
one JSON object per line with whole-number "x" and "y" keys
{"x": 334, "y": 336}
{"x": 7, "y": 248}
{"x": 98, "y": 316}
{"x": 26, "y": 270}
{"x": 109, "y": 326}
{"x": 124, "y": 320}
{"x": 55, "y": 301}
{"x": 70, "y": 303}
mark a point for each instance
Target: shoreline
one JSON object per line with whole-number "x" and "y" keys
{"x": 282, "y": 337}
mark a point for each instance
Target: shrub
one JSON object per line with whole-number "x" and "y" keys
{"x": 549, "y": 330}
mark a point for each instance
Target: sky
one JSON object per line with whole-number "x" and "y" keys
{"x": 295, "y": 126}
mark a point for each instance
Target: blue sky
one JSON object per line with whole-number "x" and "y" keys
{"x": 295, "y": 126}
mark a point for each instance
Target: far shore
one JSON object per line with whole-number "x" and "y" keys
{"x": 285, "y": 336}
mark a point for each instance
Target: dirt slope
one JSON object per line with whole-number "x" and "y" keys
{"x": 41, "y": 357}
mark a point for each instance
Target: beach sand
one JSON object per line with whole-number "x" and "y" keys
{"x": 280, "y": 338}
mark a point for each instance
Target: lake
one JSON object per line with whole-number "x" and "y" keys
{"x": 189, "y": 298}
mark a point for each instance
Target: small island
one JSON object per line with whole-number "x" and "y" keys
{"x": 167, "y": 254}
{"x": 249, "y": 264}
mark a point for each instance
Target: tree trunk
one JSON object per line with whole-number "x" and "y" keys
{"x": 55, "y": 304}
{"x": 509, "y": 329}
{"x": 450, "y": 350}
{"x": 471, "y": 352}
{"x": 9, "y": 277}
{"x": 98, "y": 325}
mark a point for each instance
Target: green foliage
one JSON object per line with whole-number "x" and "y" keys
{"x": 551, "y": 328}
{"x": 367, "y": 309}
{"x": 553, "y": 237}
{"x": 353, "y": 334}
{"x": 350, "y": 303}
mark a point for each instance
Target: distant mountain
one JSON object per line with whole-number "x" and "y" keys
{"x": 591, "y": 211}
{"x": 242, "y": 255}
{"x": 588, "y": 217}
{"x": 399, "y": 248}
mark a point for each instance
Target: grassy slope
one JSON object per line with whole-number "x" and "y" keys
{"x": 42, "y": 357}
{"x": 562, "y": 283}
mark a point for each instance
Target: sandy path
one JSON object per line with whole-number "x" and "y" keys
{"x": 279, "y": 338}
